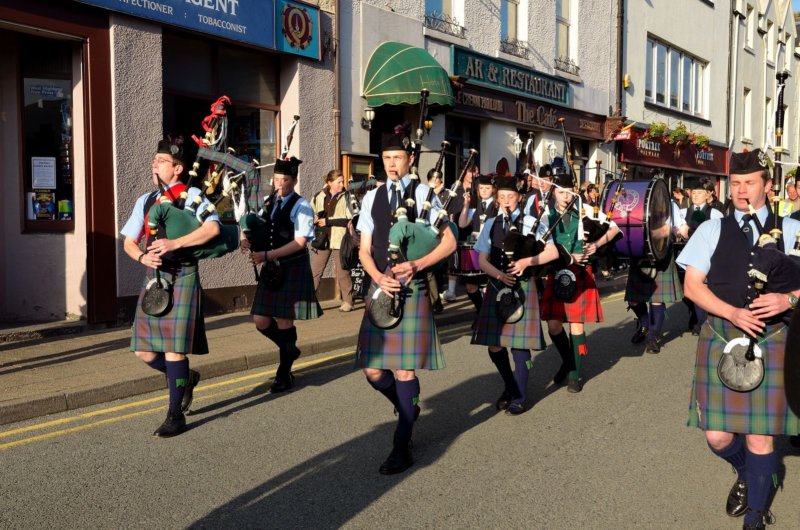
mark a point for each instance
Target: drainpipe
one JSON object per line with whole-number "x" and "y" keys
{"x": 620, "y": 36}
{"x": 337, "y": 111}
{"x": 733, "y": 68}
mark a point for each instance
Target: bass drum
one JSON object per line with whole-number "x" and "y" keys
{"x": 642, "y": 214}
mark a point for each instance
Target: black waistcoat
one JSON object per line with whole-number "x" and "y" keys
{"x": 489, "y": 212}
{"x": 695, "y": 222}
{"x": 382, "y": 220}
{"x": 281, "y": 229}
{"x": 498, "y": 236}
{"x": 727, "y": 278}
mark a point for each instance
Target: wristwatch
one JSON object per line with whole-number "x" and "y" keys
{"x": 793, "y": 300}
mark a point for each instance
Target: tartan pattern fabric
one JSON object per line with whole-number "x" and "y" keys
{"x": 296, "y": 299}
{"x": 584, "y": 306}
{"x": 714, "y": 407}
{"x": 526, "y": 334}
{"x": 413, "y": 344}
{"x": 666, "y": 287}
{"x": 182, "y": 330}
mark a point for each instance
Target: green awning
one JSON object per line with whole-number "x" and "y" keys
{"x": 396, "y": 73}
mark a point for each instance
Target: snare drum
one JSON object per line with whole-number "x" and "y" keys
{"x": 466, "y": 260}
{"x": 642, "y": 214}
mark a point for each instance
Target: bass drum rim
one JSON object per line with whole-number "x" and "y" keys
{"x": 653, "y": 256}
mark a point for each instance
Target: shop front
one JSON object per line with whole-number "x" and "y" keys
{"x": 680, "y": 165}
{"x": 98, "y": 83}
{"x": 502, "y": 105}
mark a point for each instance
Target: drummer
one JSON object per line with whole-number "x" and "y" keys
{"x": 657, "y": 284}
{"x": 570, "y": 295}
{"x": 698, "y": 212}
{"x": 485, "y": 208}
{"x": 525, "y": 334}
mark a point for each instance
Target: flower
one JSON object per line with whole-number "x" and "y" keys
{"x": 680, "y": 134}
{"x": 657, "y": 129}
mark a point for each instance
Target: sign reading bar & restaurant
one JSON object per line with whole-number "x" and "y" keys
{"x": 488, "y": 104}
{"x": 506, "y": 76}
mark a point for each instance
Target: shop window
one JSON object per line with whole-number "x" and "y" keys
{"x": 357, "y": 168}
{"x": 192, "y": 81}
{"x": 48, "y": 159}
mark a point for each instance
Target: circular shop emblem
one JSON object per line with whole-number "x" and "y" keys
{"x": 296, "y": 26}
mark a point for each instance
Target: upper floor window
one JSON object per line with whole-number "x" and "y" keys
{"x": 562, "y": 29}
{"x": 674, "y": 79}
{"x": 750, "y": 32}
{"x": 508, "y": 19}
{"x": 442, "y": 15}
{"x": 770, "y": 42}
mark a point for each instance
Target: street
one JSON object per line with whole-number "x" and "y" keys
{"x": 617, "y": 455}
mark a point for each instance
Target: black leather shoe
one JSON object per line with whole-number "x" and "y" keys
{"x": 504, "y": 400}
{"x": 574, "y": 386}
{"x": 172, "y": 426}
{"x": 652, "y": 346}
{"x": 438, "y": 307}
{"x": 282, "y": 384}
{"x": 188, "y": 393}
{"x": 765, "y": 519}
{"x": 561, "y": 375}
{"x": 398, "y": 461}
{"x": 515, "y": 409}
{"x": 737, "y": 499}
{"x": 640, "y": 335}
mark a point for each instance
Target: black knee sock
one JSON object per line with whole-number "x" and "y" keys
{"x": 522, "y": 366}
{"x": 159, "y": 363}
{"x": 407, "y": 399}
{"x": 657, "y": 312}
{"x": 286, "y": 340}
{"x": 733, "y": 454}
{"x": 640, "y": 310}
{"x": 761, "y": 475}
{"x": 561, "y": 342}
{"x": 177, "y": 378}
{"x": 477, "y": 299}
{"x": 270, "y": 331}
{"x": 500, "y": 360}
{"x": 387, "y": 386}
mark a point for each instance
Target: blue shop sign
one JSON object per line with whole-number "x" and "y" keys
{"x": 248, "y": 21}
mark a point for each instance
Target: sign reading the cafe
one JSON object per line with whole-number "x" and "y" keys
{"x": 488, "y": 104}
{"x": 506, "y": 76}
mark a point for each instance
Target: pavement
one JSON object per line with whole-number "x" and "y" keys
{"x": 61, "y": 366}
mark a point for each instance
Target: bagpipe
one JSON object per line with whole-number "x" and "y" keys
{"x": 255, "y": 225}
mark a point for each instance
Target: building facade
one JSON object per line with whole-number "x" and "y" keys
{"x": 94, "y": 85}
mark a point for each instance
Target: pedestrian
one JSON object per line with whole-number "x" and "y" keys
{"x": 412, "y": 344}
{"x": 740, "y": 427}
{"x": 679, "y": 197}
{"x": 497, "y": 334}
{"x": 164, "y": 341}
{"x": 285, "y": 290}
{"x": 474, "y": 219}
{"x": 570, "y": 295}
{"x": 332, "y": 218}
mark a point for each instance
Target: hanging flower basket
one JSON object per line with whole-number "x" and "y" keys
{"x": 678, "y": 135}
{"x": 656, "y": 130}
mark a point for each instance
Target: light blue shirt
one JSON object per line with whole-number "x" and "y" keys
{"x": 302, "y": 215}
{"x": 529, "y": 203}
{"x": 686, "y": 213}
{"x": 366, "y": 224}
{"x": 703, "y": 243}
{"x": 134, "y": 228}
{"x": 484, "y": 243}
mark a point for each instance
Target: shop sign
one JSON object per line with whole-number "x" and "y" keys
{"x": 248, "y": 21}
{"x": 493, "y": 105}
{"x": 654, "y": 152}
{"x": 506, "y": 76}
{"x": 298, "y": 29}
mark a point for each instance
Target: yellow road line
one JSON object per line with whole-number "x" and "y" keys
{"x": 140, "y": 403}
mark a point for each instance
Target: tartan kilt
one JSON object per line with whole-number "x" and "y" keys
{"x": 526, "y": 334}
{"x": 411, "y": 345}
{"x": 584, "y": 306}
{"x": 296, "y": 299}
{"x": 666, "y": 287}
{"x": 183, "y": 329}
{"x": 714, "y": 407}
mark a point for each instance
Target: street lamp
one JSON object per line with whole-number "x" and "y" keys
{"x": 428, "y": 124}
{"x": 366, "y": 119}
{"x": 517, "y": 143}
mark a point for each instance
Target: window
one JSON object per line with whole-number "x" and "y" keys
{"x": 674, "y": 79}
{"x": 440, "y": 7}
{"x": 769, "y": 122}
{"x": 562, "y": 29}
{"x": 770, "y": 42}
{"x": 508, "y": 19}
{"x": 750, "y": 32}
{"x": 747, "y": 114}
{"x": 47, "y": 67}
{"x": 197, "y": 71}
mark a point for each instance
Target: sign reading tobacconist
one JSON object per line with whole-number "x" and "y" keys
{"x": 509, "y": 77}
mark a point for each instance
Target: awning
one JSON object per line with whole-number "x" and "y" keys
{"x": 396, "y": 73}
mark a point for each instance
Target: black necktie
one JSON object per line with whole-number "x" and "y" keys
{"x": 277, "y": 209}
{"x": 483, "y": 204}
{"x": 393, "y": 200}
{"x": 746, "y": 228}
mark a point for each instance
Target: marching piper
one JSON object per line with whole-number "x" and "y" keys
{"x": 164, "y": 341}
{"x": 491, "y": 329}
{"x": 740, "y": 425}
{"x": 485, "y": 208}
{"x": 537, "y": 191}
{"x": 570, "y": 295}
{"x": 389, "y": 357}
{"x": 278, "y": 303}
